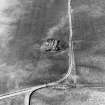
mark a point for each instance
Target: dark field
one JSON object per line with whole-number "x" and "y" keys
{"x": 22, "y": 62}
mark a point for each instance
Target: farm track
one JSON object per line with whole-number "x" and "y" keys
{"x": 71, "y": 62}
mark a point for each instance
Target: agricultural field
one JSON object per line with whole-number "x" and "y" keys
{"x": 26, "y": 25}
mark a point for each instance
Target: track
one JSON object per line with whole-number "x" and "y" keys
{"x": 71, "y": 66}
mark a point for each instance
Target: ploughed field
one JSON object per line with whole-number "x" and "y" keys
{"x": 24, "y": 26}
